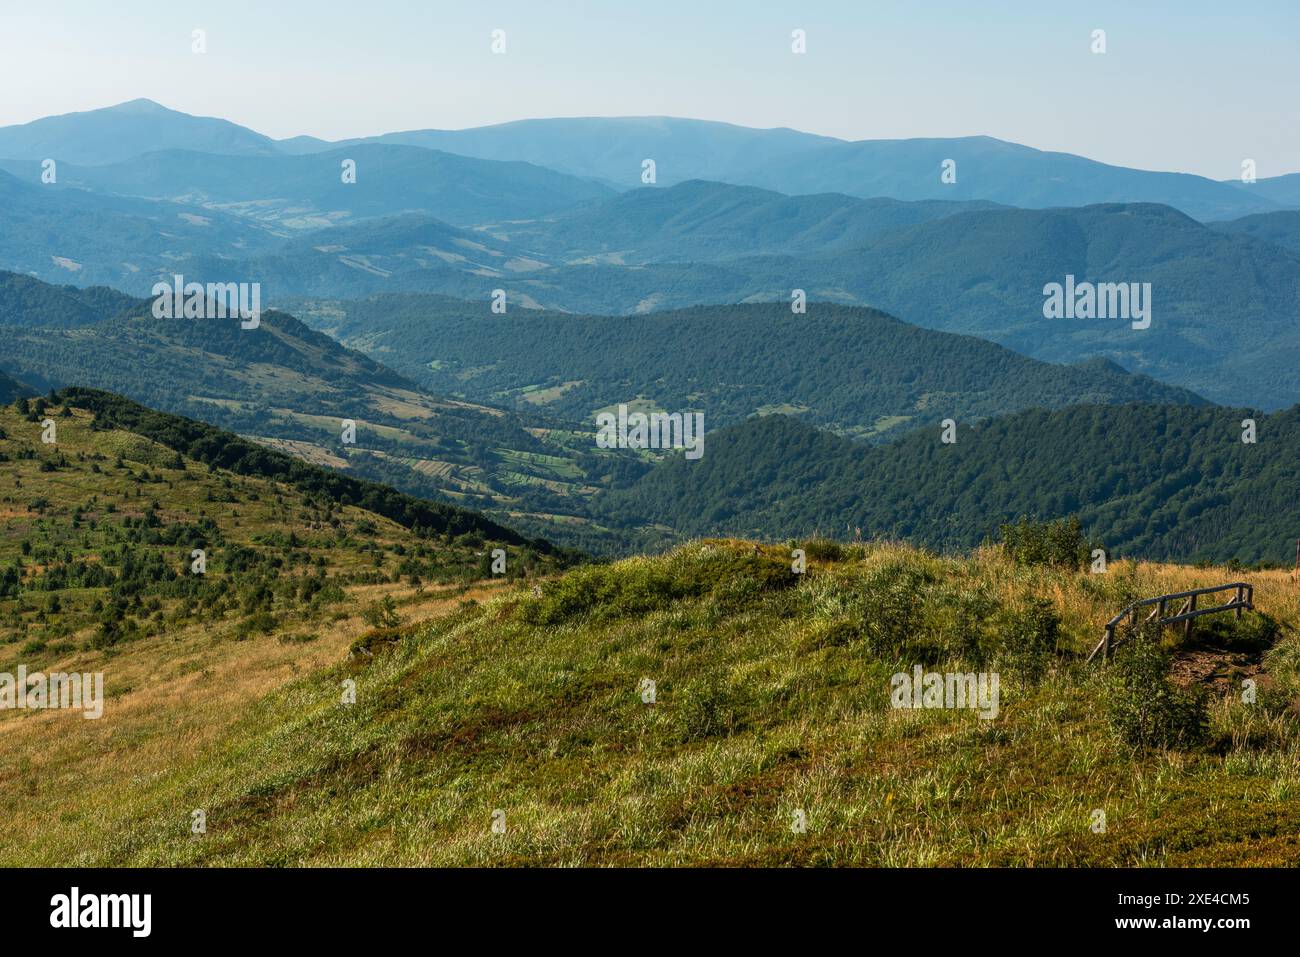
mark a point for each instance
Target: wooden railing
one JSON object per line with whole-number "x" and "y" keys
{"x": 1245, "y": 594}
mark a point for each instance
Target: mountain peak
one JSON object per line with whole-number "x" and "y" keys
{"x": 139, "y": 105}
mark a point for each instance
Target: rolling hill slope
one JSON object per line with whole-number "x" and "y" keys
{"x": 858, "y": 371}
{"x": 98, "y": 533}
{"x": 63, "y": 234}
{"x": 704, "y": 221}
{"x": 308, "y": 192}
{"x": 293, "y": 389}
{"x": 1281, "y": 229}
{"x": 25, "y": 301}
{"x": 517, "y": 731}
{"x": 1223, "y": 305}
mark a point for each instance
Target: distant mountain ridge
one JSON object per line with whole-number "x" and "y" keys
{"x": 612, "y": 151}
{"x": 708, "y": 221}
{"x": 1223, "y": 302}
{"x": 117, "y": 133}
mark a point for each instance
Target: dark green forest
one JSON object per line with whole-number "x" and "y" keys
{"x": 1158, "y": 482}
{"x": 854, "y": 370}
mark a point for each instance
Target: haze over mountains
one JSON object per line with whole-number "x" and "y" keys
{"x": 308, "y": 192}
{"x": 574, "y": 245}
{"x": 1155, "y": 479}
{"x": 117, "y": 133}
{"x": 1224, "y": 300}
{"x": 612, "y": 150}
{"x": 292, "y": 389}
{"x": 924, "y": 301}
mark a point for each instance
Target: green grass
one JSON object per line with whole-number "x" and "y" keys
{"x": 100, "y": 499}
{"x": 772, "y": 696}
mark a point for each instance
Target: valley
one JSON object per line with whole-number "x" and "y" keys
{"x": 375, "y": 574}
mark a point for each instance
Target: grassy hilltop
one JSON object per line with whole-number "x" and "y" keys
{"x": 97, "y": 532}
{"x": 772, "y": 696}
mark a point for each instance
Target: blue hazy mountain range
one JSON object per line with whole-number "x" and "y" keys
{"x": 612, "y": 150}
{"x": 217, "y": 205}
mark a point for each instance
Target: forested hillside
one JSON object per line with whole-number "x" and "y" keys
{"x": 11, "y": 388}
{"x": 221, "y": 450}
{"x": 1281, "y": 228}
{"x": 26, "y": 301}
{"x": 858, "y": 371}
{"x": 1153, "y": 482}
{"x": 294, "y": 389}
{"x": 100, "y": 524}
{"x": 705, "y": 221}
{"x": 1221, "y": 302}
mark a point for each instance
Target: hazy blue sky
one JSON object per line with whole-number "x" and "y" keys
{"x": 1184, "y": 85}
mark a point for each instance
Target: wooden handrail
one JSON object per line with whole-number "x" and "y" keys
{"x": 1244, "y": 599}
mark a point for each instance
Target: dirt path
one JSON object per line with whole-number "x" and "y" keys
{"x": 1217, "y": 669}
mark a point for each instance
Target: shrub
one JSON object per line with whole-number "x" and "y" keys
{"x": 708, "y": 707}
{"x": 823, "y": 549}
{"x": 375, "y": 640}
{"x": 382, "y": 613}
{"x": 956, "y": 619}
{"x": 262, "y": 622}
{"x": 1143, "y": 706}
{"x": 1254, "y": 631}
{"x": 1026, "y": 637}
{"x": 606, "y": 592}
{"x": 892, "y": 605}
{"x": 1059, "y": 543}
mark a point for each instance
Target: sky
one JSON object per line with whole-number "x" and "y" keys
{"x": 1184, "y": 85}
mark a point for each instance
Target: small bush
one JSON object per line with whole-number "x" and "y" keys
{"x": 892, "y": 606}
{"x": 382, "y": 613}
{"x": 636, "y": 586}
{"x": 375, "y": 640}
{"x": 708, "y": 707}
{"x": 262, "y": 622}
{"x": 1060, "y": 543}
{"x": 1143, "y": 706}
{"x": 823, "y": 549}
{"x": 1026, "y": 638}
